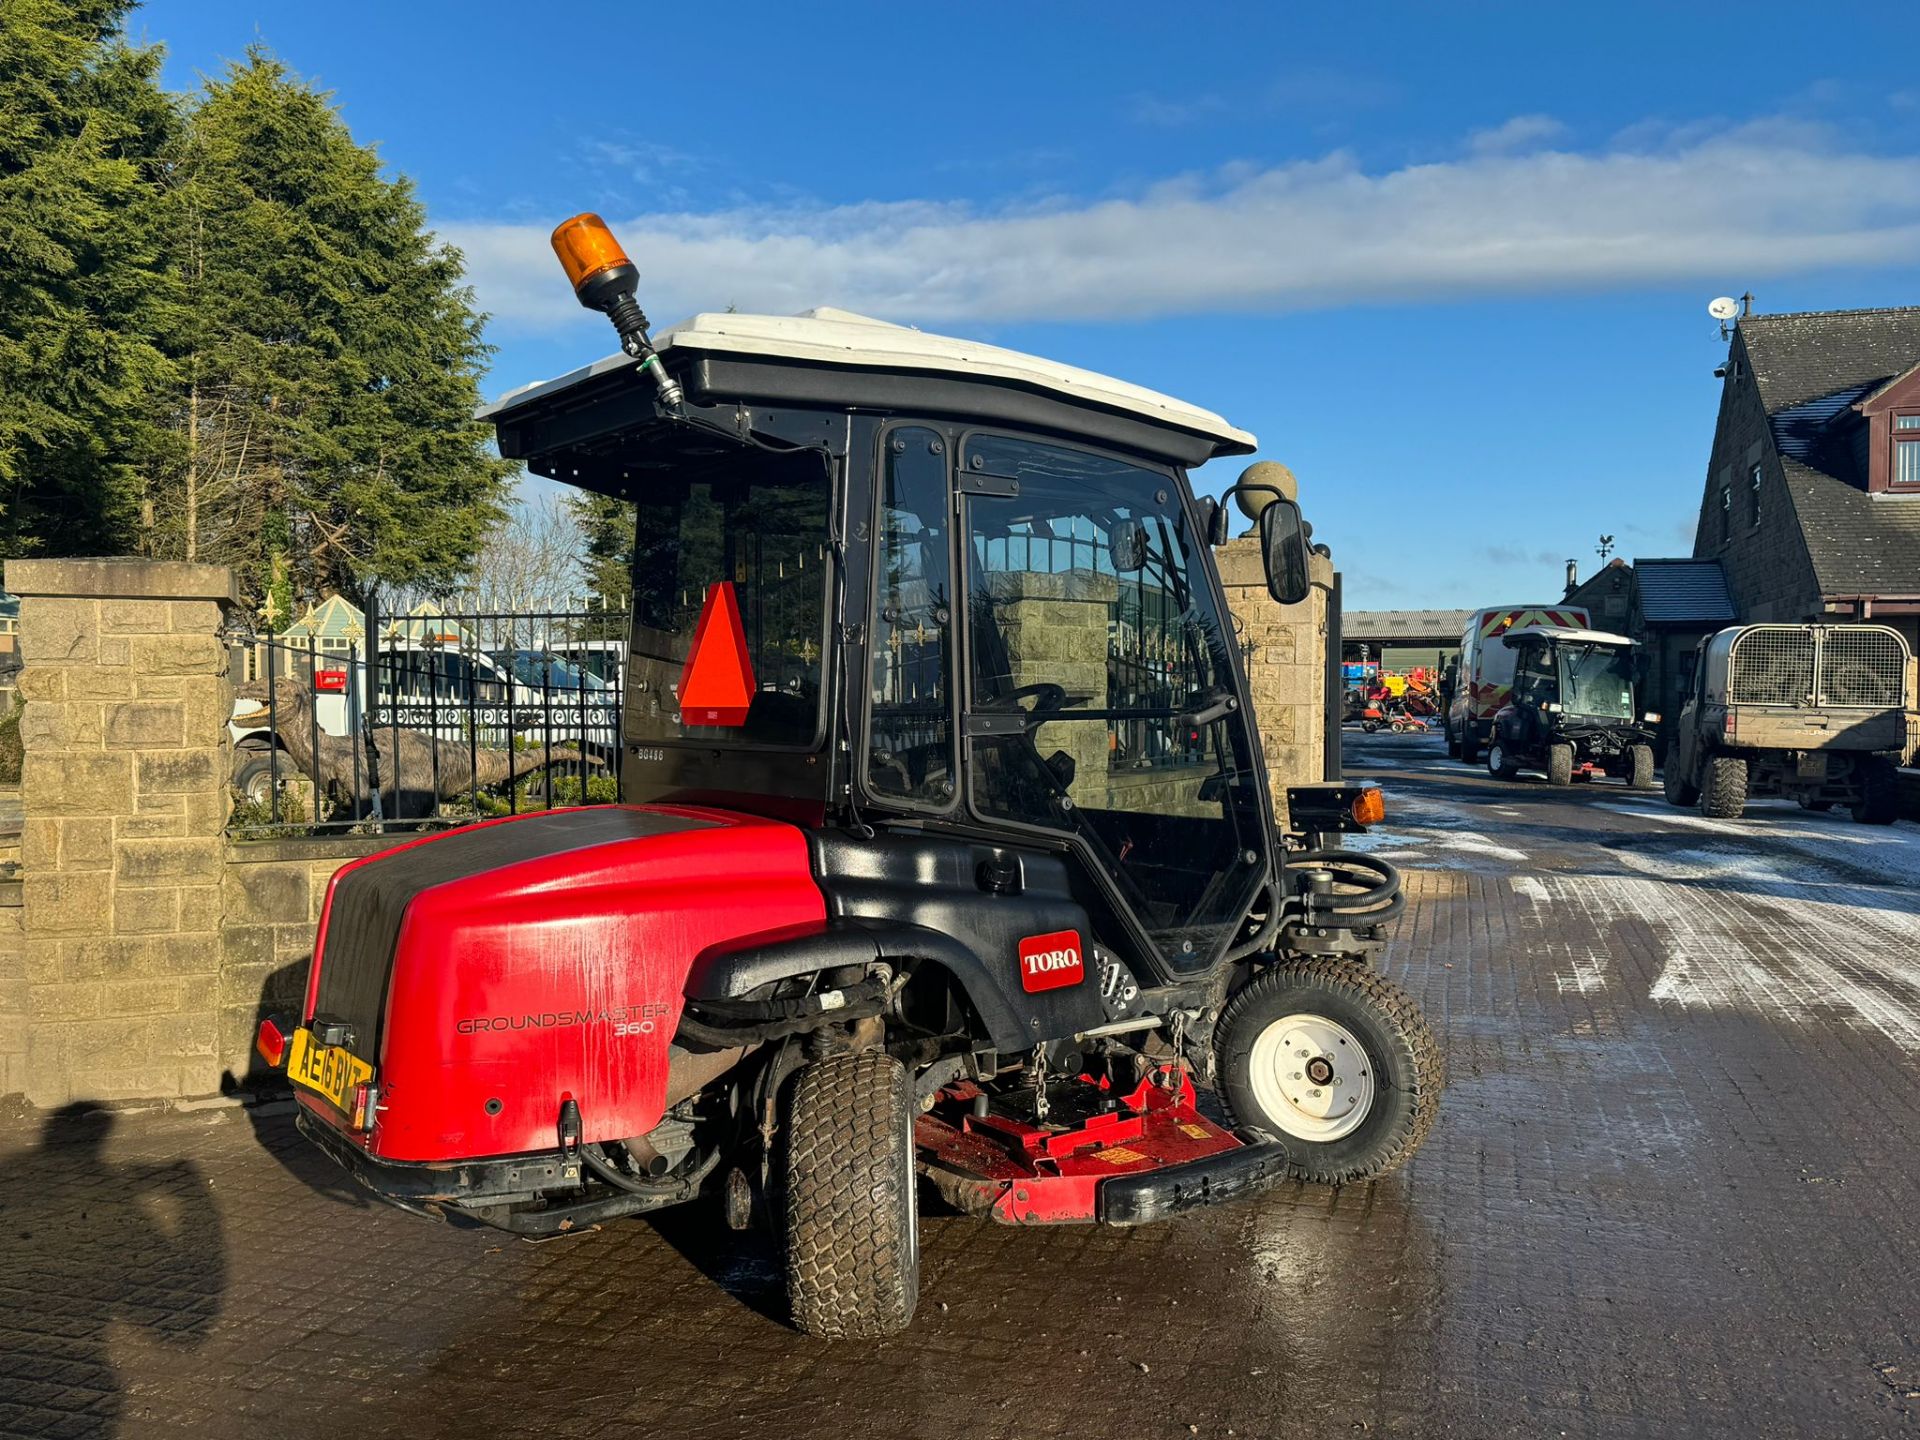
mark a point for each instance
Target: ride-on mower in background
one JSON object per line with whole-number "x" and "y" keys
{"x": 948, "y": 850}
{"x": 1572, "y": 712}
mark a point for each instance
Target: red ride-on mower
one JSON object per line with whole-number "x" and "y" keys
{"x": 947, "y": 851}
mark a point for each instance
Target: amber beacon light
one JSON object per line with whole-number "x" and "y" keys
{"x": 605, "y": 279}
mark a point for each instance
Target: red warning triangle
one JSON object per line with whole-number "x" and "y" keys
{"x": 716, "y": 687}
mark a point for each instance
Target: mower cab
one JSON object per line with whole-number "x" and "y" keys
{"x": 946, "y": 846}
{"x": 1573, "y": 711}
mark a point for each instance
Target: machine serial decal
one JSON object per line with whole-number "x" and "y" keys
{"x": 1051, "y": 962}
{"x": 625, "y": 1019}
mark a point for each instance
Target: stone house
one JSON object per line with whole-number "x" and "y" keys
{"x": 1812, "y": 498}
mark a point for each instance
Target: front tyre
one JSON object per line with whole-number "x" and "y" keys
{"x": 1559, "y": 764}
{"x": 1680, "y": 790}
{"x": 1336, "y": 1061}
{"x": 852, "y": 1213}
{"x": 1500, "y": 764}
{"x": 1640, "y": 767}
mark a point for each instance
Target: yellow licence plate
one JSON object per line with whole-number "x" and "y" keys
{"x": 329, "y": 1070}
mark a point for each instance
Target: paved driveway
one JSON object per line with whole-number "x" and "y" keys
{"x": 1672, "y": 1193}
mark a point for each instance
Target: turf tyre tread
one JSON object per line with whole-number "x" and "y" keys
{"x": 851, "y": 1253}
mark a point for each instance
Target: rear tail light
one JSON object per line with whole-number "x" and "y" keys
{"x": 1369, "y": 807}
{"x": 271, "y": 1043}
{"x": 366, "y": 1102}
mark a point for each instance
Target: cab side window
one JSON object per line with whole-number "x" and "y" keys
{"x": 910, "y": 756}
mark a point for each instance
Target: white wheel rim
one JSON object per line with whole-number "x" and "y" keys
{"x": 1496, "y": 758}
{"x": 1312, "y": 1078}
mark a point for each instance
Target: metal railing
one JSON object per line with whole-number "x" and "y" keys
{"x": 427, "y": 719}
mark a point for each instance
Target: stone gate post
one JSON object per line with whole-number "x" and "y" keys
{"x": 124, "y": 791}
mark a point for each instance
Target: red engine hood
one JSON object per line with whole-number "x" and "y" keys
{"x": 514, "y": 963}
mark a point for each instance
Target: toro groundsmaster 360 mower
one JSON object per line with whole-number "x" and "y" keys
{"x": 947, "y": 847}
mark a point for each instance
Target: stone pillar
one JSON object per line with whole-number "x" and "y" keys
{"x": 1284, "y": 648}
{"x": 1056, "y": 630}
{"x": 124, "y": 789}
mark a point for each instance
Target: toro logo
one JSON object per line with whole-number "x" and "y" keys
{"x": 1050, "y": 962}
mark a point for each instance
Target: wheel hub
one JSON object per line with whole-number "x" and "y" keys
{"x": 1312, "y": 1078}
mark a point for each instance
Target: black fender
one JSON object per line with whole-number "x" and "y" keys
{"x": 737, "y": 970}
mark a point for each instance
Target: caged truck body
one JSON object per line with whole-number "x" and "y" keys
{"x": 1812, "y": 713}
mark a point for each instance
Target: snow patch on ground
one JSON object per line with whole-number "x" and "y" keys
{"x": 1755, "y": 939}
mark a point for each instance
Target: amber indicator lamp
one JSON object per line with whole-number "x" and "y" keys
{"x": 605, "y": 280}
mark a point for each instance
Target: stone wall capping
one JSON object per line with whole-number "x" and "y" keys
{"x": 122, "y": 578}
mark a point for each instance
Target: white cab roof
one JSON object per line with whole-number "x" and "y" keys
{"x": 839, "y": 337}
{"x": 1563, "y": 632}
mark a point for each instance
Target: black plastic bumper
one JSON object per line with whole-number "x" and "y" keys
{"x": 414, "y": 1186}
{"x": 1155, "y": 1194}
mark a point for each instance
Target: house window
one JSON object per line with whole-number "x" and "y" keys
{"x": 1726, "y": 513}
{"x": 1906, "y": 452}
{"x": 1753, "y": 492}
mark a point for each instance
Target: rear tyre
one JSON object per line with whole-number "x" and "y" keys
{"x": 1723, "y": 793}
{"x": 1469, "y": 744}
{"x": 1559, "y": 764}
{"x": 1879, "y": 802}
{"x": 1453, "y": 740}
{"x": 1499, "y": 764}
{"x": 1640, "y": 767}
{"x": 1680, "y": 790}
{"x": 1356, "y": 1029}
{"x": 852, "y": 1214}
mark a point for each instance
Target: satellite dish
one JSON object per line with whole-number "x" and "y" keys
{"x": 1725, "y": 308}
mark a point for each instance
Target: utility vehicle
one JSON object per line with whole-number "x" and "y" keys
{"x": 1483, "y": 675}
{"x": 891, "y": 892}
{"x": 1571, "y": 710}
{"x": 1814, "y": 713}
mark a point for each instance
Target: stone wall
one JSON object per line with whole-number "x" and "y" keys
{"x": 1285, "y": 648}
{"x": 14, "y": 1019}
{"x": 271, "y": 894}
{"x": 1056, "y": 631}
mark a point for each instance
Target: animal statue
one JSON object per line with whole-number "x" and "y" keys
{"x": 416, "y": 770}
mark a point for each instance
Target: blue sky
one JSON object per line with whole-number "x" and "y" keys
{"x": 1450, "y": 263}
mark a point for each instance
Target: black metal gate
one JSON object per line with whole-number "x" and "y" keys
{"x": 434, "y": 717}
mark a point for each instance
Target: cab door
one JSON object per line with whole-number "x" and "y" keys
{"x": 1101, "y": 699}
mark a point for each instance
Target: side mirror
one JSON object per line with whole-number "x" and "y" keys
{"x": 1283, "y": 545}
{"x": 1127, "y": 545}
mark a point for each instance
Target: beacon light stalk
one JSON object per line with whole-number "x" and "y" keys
{"x": 605, "y": 279}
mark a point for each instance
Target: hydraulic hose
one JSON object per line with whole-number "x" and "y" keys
{"x": 1375, "y": 904}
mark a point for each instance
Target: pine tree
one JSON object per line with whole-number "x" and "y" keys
{"x": 329, "y": 355}
{"x": 84, "y": 282}
{"x": 607, "y": 565}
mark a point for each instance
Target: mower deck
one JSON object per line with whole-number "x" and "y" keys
{"x": 1121, "y": 1159}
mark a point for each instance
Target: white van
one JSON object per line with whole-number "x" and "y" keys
{"x": 1485, "y": 677}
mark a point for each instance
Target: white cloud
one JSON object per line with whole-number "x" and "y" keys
{"x": 1737, "y": 205}
{"x": 1522, "y": 132}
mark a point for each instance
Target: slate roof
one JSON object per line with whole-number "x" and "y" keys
{"x": 1810, "y": 369}
{"x": 1679, "y": 592}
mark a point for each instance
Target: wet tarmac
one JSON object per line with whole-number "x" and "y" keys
{"x": 1673, "y": 1193}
